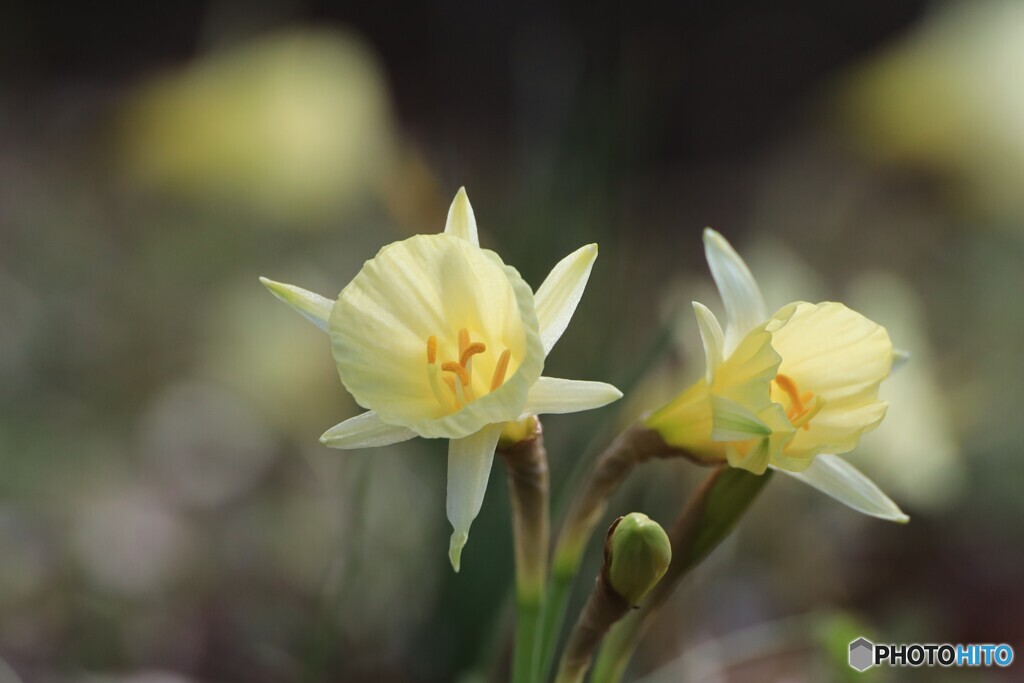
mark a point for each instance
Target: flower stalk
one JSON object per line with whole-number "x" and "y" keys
{"x": 636, "y": 445}
{"x": 707, "y": 518}
{"x": 521, "y": 447}
{"x": 636, "y": 555}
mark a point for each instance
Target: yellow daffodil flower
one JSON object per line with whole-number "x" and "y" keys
{"x": 787, "y": 391}
{"x": 438, "y": 338}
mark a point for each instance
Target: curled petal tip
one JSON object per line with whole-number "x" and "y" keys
{"x": 455, "y": 546}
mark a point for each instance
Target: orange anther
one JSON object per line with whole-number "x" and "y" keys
{"x": 500, "y": 369}
{"x": 463, "y": 341}
{"x": 458, "y": 370}
{"x": 789, "y": 386}
{"x": 431, "y": 349}
{"x": 470, "y": 351}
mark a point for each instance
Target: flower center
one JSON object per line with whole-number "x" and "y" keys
{"x": 802, "y": 407}
{"x": 457, "y": 376}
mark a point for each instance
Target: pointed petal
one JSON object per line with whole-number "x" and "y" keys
{"x": 744, "y": 304}
{"x": 364, "y": 431}
{"x": 731, "y": 421}
{"x": 837, "y": 478}
{"x": 712, "y": 337}
{"x": 557, "y": 298}
{"x": 552, "y": 395}
{"x": 461, "y": 221}
{"x": 313, "y": 307}
{"x": 469, "y": 466}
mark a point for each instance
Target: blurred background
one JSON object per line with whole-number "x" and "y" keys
{"x": 167, "y": 514}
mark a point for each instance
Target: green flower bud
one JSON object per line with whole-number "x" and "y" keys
{"x": 639, "y": 553}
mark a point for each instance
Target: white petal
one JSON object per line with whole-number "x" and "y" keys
{"x": 731, "y": 421}
{"x": 364, "y": 431}
{"x": 313, "y": 307}
{"x": 461, "y": 221}
{"x": 469, "y": 466}
{"x": 552, "y": 395}
{"x": 557, "y": 298}
{"x": 744, "y": 305}
{"x": 837, "y": 478}
{"x": 711, "y": 336}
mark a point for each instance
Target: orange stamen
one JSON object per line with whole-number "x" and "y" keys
{"x": 803, "y": 419}
{"x": 470, "y": 351}
{"x": 431, "y": 349}
{"x": 500, "y": 369}
{"x": 458, "y": 370}
{"x": 463, "y": 341}
{"x": 789, "y": 386}
{"x": 802, "y": 409}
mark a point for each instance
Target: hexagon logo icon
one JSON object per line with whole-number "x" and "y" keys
{"x": 862, "y": 654}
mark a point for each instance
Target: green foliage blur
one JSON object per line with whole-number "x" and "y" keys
{"x": 167, "y": 514}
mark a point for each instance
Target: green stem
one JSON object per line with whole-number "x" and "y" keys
{"x": 524, "y": 661}
{"x": 604, "y": 607}
{"x": 631, "y": 448}
{"x": 617, "y": 649}
{"x": 555, "y": 608}
{"x": 526, "y": 461}
{"x": 708, "y": 517}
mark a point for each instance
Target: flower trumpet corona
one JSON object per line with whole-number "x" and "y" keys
{"x": 438, "y": 338}
{"x": 787, "y": 391}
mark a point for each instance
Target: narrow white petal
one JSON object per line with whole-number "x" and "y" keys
{"x": 899, "y": 359}
{"x": 837, "y": 478}
{"x": 313, "y": 307}
{"x": 552, "y": 395}
{"x": 364, "y": 431}
{"x": 557, "y": 298}
{"x": 731, "y": 421}
{"x": 744, "y": 305}
{"x": 712, "y": 337}
{"x": 469, "y": 466}
{"x": 461, "y": 221}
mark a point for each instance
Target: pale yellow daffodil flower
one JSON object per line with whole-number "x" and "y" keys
{"x": 438, "y": 338}
{"x": 788, "y": 391}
